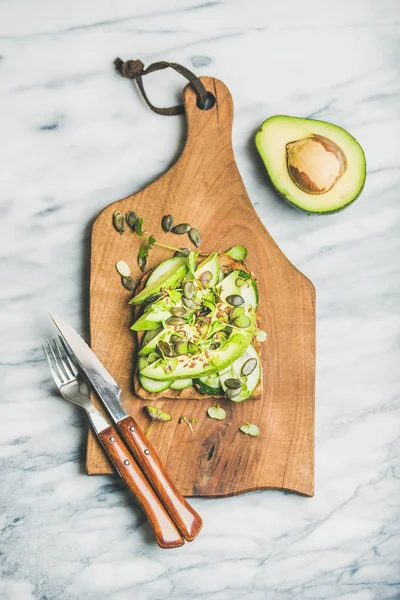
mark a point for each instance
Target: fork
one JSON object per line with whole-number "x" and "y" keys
{"x": 74, "y": 389}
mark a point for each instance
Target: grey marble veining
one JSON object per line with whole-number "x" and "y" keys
{"x": 74, "y": 137}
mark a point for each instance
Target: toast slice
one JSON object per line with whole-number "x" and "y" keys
{"x": 227, "y": 264}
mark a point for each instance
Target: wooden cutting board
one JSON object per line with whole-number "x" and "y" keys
{"x": 204, "y": 188}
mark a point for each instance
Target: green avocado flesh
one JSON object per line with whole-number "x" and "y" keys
{"x": 199, "y": 323}
{"x": 323, "y": 176}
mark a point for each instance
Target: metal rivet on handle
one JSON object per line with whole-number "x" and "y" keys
{"x": 147, "y": 451}
{"x": 131, "y": 428}
{"x": 126, "y": 462}
{"x": 112, "y": 439}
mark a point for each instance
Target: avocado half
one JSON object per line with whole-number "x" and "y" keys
{"x": 316, "y": 166}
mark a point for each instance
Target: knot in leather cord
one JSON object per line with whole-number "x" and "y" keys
{"x": 134, "y": 69}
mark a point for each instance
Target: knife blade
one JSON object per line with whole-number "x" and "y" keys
{"x": 184, "y": 516}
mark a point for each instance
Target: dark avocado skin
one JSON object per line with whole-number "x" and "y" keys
{"x": 319, "y": 213}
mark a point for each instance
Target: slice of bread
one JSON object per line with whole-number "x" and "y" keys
{"x": 227, "y": 264}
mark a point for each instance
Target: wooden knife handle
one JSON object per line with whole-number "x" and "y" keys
{"x": 167, "y": 535}
{"x": 183, "y": 515}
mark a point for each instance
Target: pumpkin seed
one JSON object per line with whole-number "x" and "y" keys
{"x": 236, "y": 312}
{"x": 232, "y": 393}
{"x": 152, "y": 298}
{"x": 192, "y": 348}
{"x": 174, "y": 321}
{"x": 189, "y": 303}
{"x": 234, "y": 300}
{"x": 239, "y": 282}
{"x": 128, "y": 283}
{"x": 195, "y": 237}
{"x": 131, "y": 218}
{"x": 248, "y": 367}
{"x": 123, "y": 268}
{"x": 205, "y": 279}
{"x": 177, "y": 337}
{"x": 167, "y": 223}
{"x": 182, "y": 252}
{"x": 142, "y": 262}
{"x": 214, "y": 346}
{"x": 181, "y": 228}
{"x": 178, "y": 311}
{"x": 188, "y": 289}
{"x": 181, "y": 348}
{"x": 165, "y": 348}
{"x": 243, "y": 322}
{"x": 233, "y": 384}
{"x": 119, "y": 222}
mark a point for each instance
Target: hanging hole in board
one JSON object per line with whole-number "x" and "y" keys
{"x": 210, "y": 101}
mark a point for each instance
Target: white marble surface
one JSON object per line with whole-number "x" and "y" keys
{"x": 75, "y": 136}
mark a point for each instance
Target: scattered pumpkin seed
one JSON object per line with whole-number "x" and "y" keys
{"x": 205, "y": 279}
{"x": 188, "y": 289}
{"x": 123, "y": 268}
{"x": 177, "y": 337}
{"x": 195, "y": 237}
{"x": 165, "y": 348}
{"x": 193, "y": 348}
{"x": 181, "y": 228}
{"x": 178, "y": 311}
{"x": 234, "y": 300}
{"x": 142, "y": 262}
{"x": 128, "y": 283}
{"x": 216, "y": 412}
{"x": 229, "y": 393}
{"x": 250, "y": 429}
{"x": 167, "y": 223}
{"x": 181, "y": 348}
{"x": 175, "y": 321}
{"x": 182, "y": 252}
{"x": 233, "y": 384}
{"x": 189, "y": 303}
{"x": 243, "y": 322}
{"x": 119, "y": 221}
{"x": 131, "y": 218}
{"x": 248, "y": 367}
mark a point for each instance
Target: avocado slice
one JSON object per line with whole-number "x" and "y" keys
{"x": 167, "y": 280}
{"x": 200, "y": 364}
{"x": 316, "y": 166}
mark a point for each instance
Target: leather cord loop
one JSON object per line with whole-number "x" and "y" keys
{"x": 134, "y": 69}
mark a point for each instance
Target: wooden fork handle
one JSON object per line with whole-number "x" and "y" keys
{"x": 167, "y": 535}
{"x": 183, "y": 515}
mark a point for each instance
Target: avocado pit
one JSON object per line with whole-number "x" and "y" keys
{"x": 315, "y": 163}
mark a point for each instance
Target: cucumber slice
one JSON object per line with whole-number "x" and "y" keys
{"x": 163, "y": 267}
{"x": 251, "y": 381}
{"x": 181, "y": 384}
{"x": 150, "y": 385}
{"x": 248, "y": 290}
{"x": 237, "y": 252}
{"x": 209, "y": 385}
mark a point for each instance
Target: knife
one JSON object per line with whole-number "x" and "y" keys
{"x": 186, "y": 519}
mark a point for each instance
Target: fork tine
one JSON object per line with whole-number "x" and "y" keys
{"x": 67, "y": 359}
{"x": 61, "y": 361}
{"x": 60, "y": 371}
{"x": 55, "y": 373}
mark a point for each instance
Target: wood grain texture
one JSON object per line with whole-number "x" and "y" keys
{"x": 204, "y": 188}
